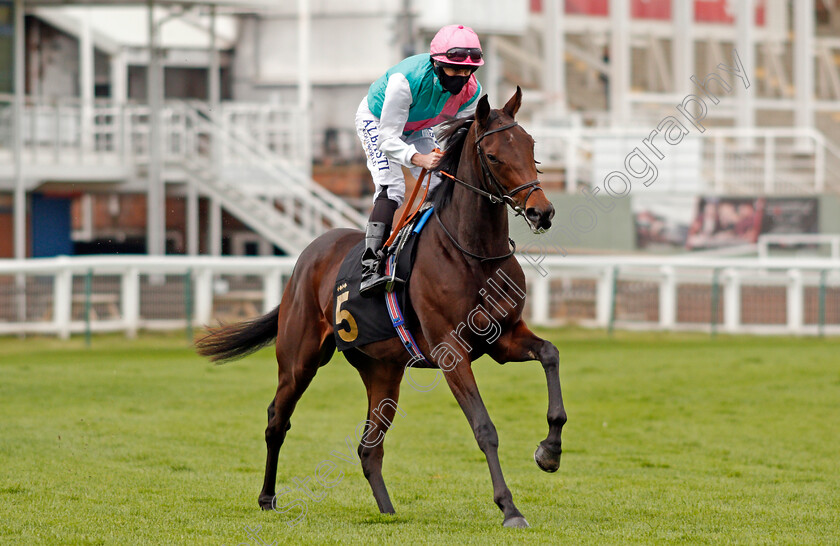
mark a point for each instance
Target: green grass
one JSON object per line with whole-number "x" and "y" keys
{"x": 671, "y": 438}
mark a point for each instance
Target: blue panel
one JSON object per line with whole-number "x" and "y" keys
{"x": 419, "y": 227}
{"x": 51, "y": 226}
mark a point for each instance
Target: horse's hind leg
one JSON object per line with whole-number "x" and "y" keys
{"x": 382, "y": 381}
{"x": 275, "y": 433}
{"x": 299, "y": 355}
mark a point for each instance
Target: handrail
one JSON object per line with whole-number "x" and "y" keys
{"x": 767, "y": 239}
{"x": 774, "y": 155}
{"x": 650, "y": 292}
{"x": 711, "y": 132}
{"x": 303, "y": 187}
{"x": 279, "y": 228}
{"x": 68, "y": 131}
{"x": 110, "y": 264}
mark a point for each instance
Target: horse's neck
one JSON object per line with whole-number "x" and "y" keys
{"x": 478, "y": 225}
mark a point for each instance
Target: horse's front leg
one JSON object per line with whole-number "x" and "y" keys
{"x": 462, "y": 383}
{"x": 520, "y": 344}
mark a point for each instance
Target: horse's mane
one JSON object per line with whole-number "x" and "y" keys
{"x": 453, "y": 133}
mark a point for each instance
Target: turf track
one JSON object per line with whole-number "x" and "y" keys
{"x": 671, "y": 438}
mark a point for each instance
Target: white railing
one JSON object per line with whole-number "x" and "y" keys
{"x": 758, "y": 161}
{"x": 795, "y": 239}
{"x": 306, "y": 210}
{"x": 288, "y": 228}
{"x": 317, "y": 208}
{"x": 63, "y": 295}
{"x": 736, "y": 295}
{"x": 249, "y": 157}
{"x": 106, "y": 293}
{"x": 268, "y": 125}
{"x": 65, "y": 131}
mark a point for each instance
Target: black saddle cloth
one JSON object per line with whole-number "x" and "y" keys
{"x": 359, "y": 321}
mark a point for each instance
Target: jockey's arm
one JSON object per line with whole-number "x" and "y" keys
{"x": 392, "y": 122}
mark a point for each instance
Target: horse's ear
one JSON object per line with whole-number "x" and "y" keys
{"x": 512, "y": 106}
{"x": 482, "y": 111}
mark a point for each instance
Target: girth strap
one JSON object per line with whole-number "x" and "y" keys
{"x": 398, "y": 320}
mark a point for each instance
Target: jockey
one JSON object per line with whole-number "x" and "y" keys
{"x": 394, "y": 122}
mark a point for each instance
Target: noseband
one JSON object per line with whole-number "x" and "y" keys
{"x": 507, "y": 197}
{"x": 499, "y": 196}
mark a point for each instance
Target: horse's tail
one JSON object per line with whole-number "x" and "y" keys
{"x": 237, "y": 340}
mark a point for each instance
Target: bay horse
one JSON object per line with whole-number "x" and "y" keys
{"x": 456, "y": 257}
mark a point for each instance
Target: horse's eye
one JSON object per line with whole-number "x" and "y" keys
{"x": 492, "y": 158}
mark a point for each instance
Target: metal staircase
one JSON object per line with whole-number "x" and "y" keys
{"x": 261, "y": 188}
{"x": 258, "y": 214}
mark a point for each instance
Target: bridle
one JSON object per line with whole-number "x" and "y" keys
{"x": 500, "y": 196}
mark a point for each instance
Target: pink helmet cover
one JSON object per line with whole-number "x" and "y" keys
{"x": 455, "y": 36}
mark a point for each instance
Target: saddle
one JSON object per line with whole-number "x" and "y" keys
{"x": 358, "y": 320}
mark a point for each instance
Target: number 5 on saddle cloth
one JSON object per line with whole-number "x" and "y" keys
{"x": 358, "y": 320}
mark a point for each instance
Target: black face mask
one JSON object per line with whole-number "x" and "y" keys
{"x": 453, "y": 84}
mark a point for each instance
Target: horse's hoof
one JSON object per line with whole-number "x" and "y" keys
{"x": 548, "y": 461}
{"x": 266, "y": 503}
{"x": 517, "y": 522}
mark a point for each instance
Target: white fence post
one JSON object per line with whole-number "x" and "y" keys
{"x": 763, "y": 248}
{"x": 571, "y": 164}
{"x": 668, "y": 298}
{"x": 769, "y": 164}
{"x": 272, "y": 289}
{"x": 604, "y": 303}
{"x": 819, "y": 160}
{"x": 795, "y": 300}
{"x": 732, "y": 300}
{"x": 130, "y": 295}
{"x": 719, "y": 164}
{"x": 203, "y": 295}
{"x": 540, "y": 300}
{"x": 63, "y": 302}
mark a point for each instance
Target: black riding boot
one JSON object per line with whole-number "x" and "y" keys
{"x": 372, "y": 278}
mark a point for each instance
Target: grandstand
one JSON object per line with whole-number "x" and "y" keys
{"x": 192, "y": 133}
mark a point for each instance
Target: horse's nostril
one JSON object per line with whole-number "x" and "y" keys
{"x": 532, "y": 214}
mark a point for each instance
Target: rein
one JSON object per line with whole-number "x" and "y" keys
{"x": 405, "y": 218}
{"x": 478, "y": 257}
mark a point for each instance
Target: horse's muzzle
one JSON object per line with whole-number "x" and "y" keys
{"x": 540, "y": 217}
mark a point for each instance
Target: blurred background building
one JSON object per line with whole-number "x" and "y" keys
{"x": 226, "y": 127}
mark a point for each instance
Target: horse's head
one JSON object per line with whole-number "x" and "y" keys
{"x": 506, "y": 155}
